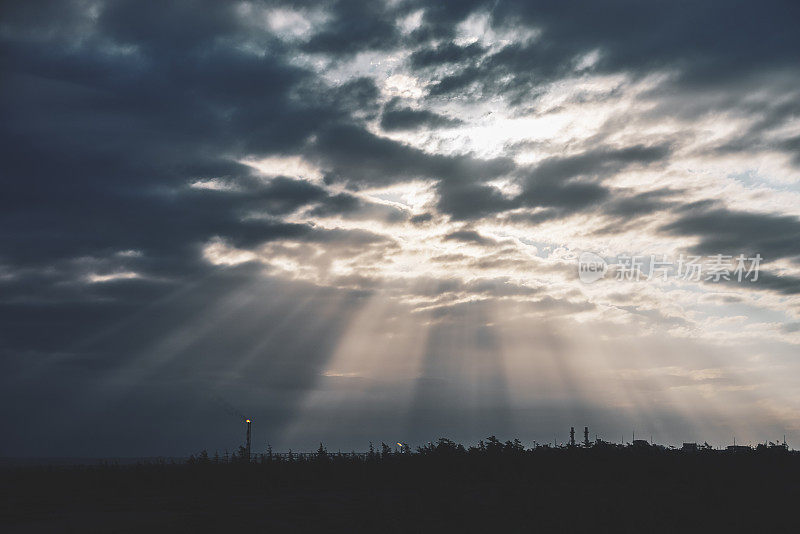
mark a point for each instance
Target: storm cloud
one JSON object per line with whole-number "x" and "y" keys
{"x": 313, "y": 207}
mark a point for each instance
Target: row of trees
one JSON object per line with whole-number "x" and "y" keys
{"x": 441, "y": 447}
{"x": 444, "y": 447}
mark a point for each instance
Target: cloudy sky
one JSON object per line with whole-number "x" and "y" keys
{"x": 355, "y": 221}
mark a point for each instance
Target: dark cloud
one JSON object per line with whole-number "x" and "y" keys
{"x": 725, "y": 231}
{"x": 720, "y": 54}
{"x": 709, "y": 43}
{"x": 766, "y": 280}
{"x": 107, "y": 139}
{"x": 785, "y": 284}
{"x": 399, "y": 118}
{"x": 439, "y": 19}
{"x": 281, "y": 195}
{"x": 445, "y": 54}
{"x": 559, "y": 185}
{"x": 360, "y": 157}
{"x": 792, "y": 145}
{"x": 177, "y": 26}
{"x": 353, "y": 207}
{"x": 713, "y": 43}
{"x": 108, "y": 133}
{"x": 638, "y": 204}
{"x": 354, "y": 27}
{"x": 516, "y": 68}
{"x": 421, "y": 218}
{"x": 113, "y": 116}
{"x": 471, "y": 236}
{"x": 465, "y": 200}
{"x": 573, "y": 182}
{"x": 597, "y": 163}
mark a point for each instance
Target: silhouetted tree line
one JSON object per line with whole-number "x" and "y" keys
{"x": 493, "y": 486}
{"x": 490, "y": 447}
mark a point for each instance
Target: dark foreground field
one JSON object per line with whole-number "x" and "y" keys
{"x": 544, "y": 490}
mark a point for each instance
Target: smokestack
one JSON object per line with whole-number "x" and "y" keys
{"x": 572, "y": 436}
{"x": 586, "y": 436}
{"x": 247, "y": 447}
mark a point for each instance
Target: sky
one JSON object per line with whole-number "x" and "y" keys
{"x": 367, "y": 221}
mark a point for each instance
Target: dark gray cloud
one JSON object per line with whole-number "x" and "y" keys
{"x": 359, "y": 157}
{"x": 711, "y": 43}
{"x": 465, "y": 200}
{"x": 792, "y": 145}
{"x": 395, "y": 118}
{"x": 356, "y": 26}
{"x": 561, "y": 185}
{"x": 439, "y": 19}
{"x": 421, "y": 218}
{"x": 353, "y": 207}
{"x": 106, "y": 121}
{"x": 564, "y": 185}
{"x": 725, "y": 231}
{"x": 721, "y": 230}
{"x": 446, "y": 53}
{"x": 110, "y": 111}
{"x": 471, "y": 236}
{"x": 785, "y": 284}
{"x": 637, "y": 204}
{"x": 766, "y": 280}
{"x": 106, "y": 140}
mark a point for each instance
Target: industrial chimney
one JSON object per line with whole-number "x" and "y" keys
{"x": 586, "y": 436}
{"x": 247, "y": 447}
{"x": 572, "y": 436}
